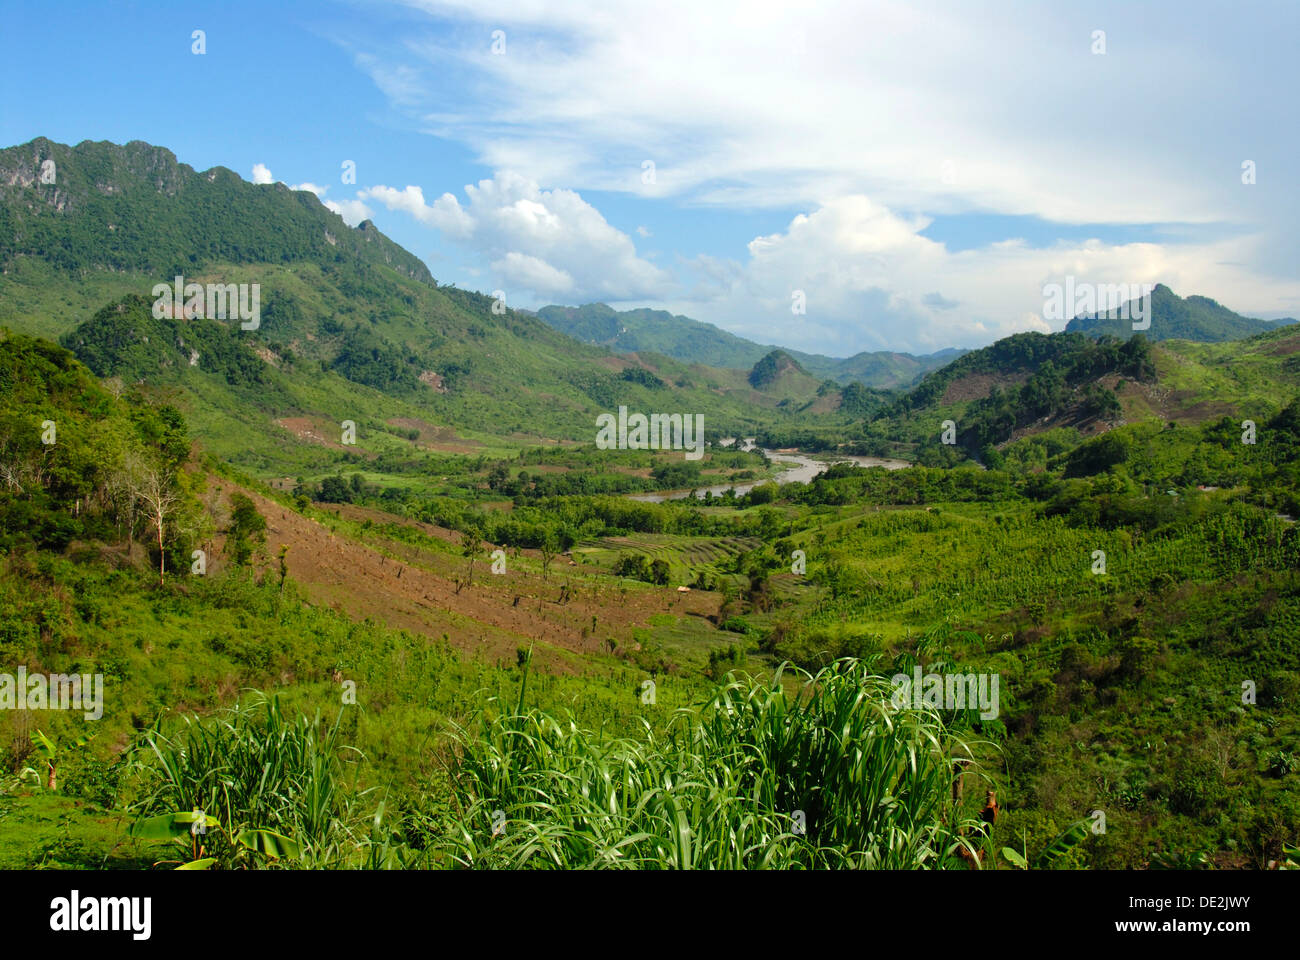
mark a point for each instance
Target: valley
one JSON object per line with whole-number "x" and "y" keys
{"x": 428, "y": 572}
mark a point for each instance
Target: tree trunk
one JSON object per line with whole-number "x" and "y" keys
{"x": 162, "y": 557}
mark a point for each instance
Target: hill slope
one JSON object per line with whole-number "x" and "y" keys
{"x": 1176, "y": 318}
{"x": 1072, "y": 386}
{"x": 352, "y": 326}
{"x": 693, "y": 341}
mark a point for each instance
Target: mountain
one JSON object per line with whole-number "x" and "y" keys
{"x": 777, "y": 365}
{"x": 1072, "y": 386}
{"x": 1176, "y": 318}
{"x": 351, "y": 328}
{"x": 114, "y": 215}
{"x": 693, "y": 341}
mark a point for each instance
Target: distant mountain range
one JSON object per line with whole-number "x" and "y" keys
{"x": 1176, "y": 318}
{"x": 694, "y": 341}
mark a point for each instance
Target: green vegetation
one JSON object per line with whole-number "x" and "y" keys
{"x": 1175, "y": 318}
{"x": 829, "y": 777}
{"x": 460, "y": 642}
{"x": 691, "y": 341}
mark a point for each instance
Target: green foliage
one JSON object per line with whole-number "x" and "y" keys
{"x": 643, "y": 377}
{"x": 87, "y": 482}
{"x": 268, "y": 785}
{"x": 758, "y": 778}
{"x": 1173, "y": 317}
{"x": 125, "y": 340}
{"x": 364, "y": 358}
{"x": 771, "y": 367}
{"x": 247, "y": 528}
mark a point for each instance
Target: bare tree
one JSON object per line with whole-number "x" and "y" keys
{"x": 11, "y": 474}
{"x": 119, "y": 491}
{"x": 155, "y": 487}
{"x": 15, "y": 468}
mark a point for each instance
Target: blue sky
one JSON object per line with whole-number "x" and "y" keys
{"x": 918, "y": 171}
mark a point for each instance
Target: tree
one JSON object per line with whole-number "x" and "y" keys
{"x": 335, "y": 490}
{"x": 549, "y": 547}
{"x": 154, "y": 485}
{"x": 246, "y": 526}
{"x": 471, "y": 541}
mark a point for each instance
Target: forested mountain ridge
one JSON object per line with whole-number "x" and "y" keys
{"x": 351, "y": 326}
{"x": 135, "y": 207}
{"x": 1177, "y": 318}
{"x": 1069, "y": 386}
{"x": 693, "y": 341}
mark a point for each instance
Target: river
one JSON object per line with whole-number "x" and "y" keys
{"x": 804, "y": 469}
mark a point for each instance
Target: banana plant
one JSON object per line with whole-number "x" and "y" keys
{"x": 51, "y": 754}
{"x": 1291, "y": 857}
{"x": 1070, "y": 837}
{"x": 186, "y": 830}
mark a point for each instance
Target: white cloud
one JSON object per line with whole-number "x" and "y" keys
{"x": 309, "y": 187}
{"x": 871, "y": 117}
{"x": 548, "y": 242}
{"x": 353, "y": 212}
{"x": 917, "y": 103}
{"x": 521, "y": 270}
{"x": 872, "y": 281}
{"x": 261, "y": 174}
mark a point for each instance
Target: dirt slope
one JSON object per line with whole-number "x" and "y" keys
{"x": 414, "y": 587}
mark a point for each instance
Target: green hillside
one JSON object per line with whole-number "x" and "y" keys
{"x": 633, "y": 331}
{"x": 1051, "y": 391}
{"x": 1175, "y": 318}
{"x": 352, "y": 327}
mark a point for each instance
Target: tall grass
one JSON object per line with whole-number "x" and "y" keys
{"x": 831, "y": 776}
{"x": 267, "y": 785}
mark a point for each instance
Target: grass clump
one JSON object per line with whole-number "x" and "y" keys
{"x": 830, "y": 776}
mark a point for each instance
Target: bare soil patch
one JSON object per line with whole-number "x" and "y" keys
{"x": 414, "y": 588}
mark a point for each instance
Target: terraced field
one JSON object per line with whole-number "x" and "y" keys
{"x": 685, "y": 556}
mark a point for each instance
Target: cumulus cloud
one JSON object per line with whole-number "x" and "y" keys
{"x": 871, "y": 118}
{"x": 353, "y": 212}
{"x": 867, "y": 278}
{"x": 309, "y": 187}
{"x": 548, "y": 242}
{"x": 261, "y": 174}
